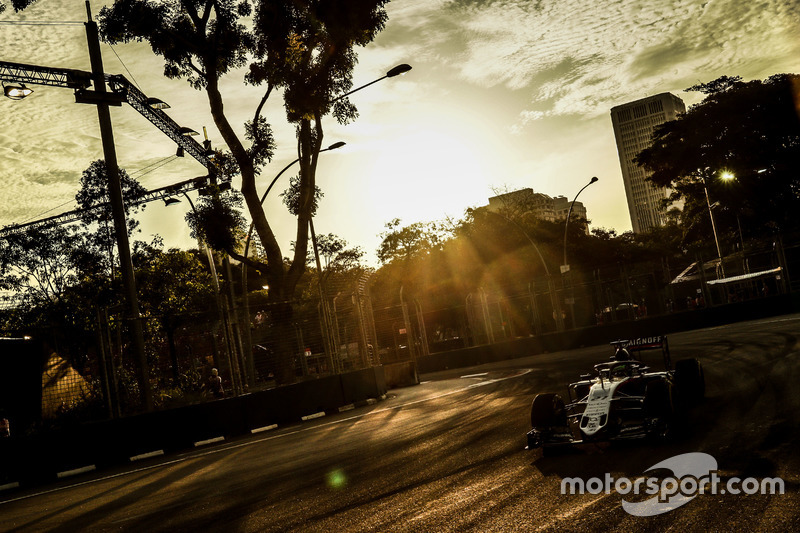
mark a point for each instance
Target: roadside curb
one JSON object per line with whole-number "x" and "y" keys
{"x": 56, "y": 473}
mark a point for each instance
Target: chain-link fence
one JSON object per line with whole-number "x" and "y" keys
{"x": 252, "y": 347}
{"x": 583, "y": 299}
{"x": 261, "y": 344}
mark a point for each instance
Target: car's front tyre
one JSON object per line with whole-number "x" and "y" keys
{"x": 547, "y": 410}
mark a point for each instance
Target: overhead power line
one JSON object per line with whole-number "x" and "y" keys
{"x": 40, "y": 23}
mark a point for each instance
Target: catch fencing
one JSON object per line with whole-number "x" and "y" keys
{"x": 256, "y": 345}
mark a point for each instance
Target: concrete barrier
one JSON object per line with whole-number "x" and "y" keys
{"x": 597, "y": 335}
{"x": 81, "y": 448}
{"x": 401, "y": 374}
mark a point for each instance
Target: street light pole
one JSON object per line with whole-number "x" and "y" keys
{"x": 729, "y": 176}
{"x": 245, "y": 298}
{"x": 118, "y": 209}
{"x": 550, "y": 285}
{"x": 334, "y": 146}
{"x": 396, "y": 71}
{"x": 399, "y": 69}
{"x": 565, "y": 266}
{"x": 713, "y": 227}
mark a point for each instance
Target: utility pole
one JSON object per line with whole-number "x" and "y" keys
{"x": 117, "y": 207}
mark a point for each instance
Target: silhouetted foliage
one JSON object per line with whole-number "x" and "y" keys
{"x": 217, "y": 220}
{"x": 503, "y": 252}
{"x": 292, "y": 196}
{"x": 750, "y": 130}
{"x": 305, "y": 49}
{"x": 94, "y": 200}
{"x": 18, "y": 5}
{"x": 39, "y": 263}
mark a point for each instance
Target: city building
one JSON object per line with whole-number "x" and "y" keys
{"x": 634, "y": 123}
{"x": 541, "y": 205}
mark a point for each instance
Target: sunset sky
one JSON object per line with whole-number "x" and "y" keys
{"x": 502, "y": 95}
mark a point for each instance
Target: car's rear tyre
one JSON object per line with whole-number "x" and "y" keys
{"x": 547, "y": 410}
{"x": 659, "y": 409}
{"x": 690, "y": 382}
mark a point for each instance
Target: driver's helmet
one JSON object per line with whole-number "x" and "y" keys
{"x": 619, "y": 371}
{"x": 622, "y": 355}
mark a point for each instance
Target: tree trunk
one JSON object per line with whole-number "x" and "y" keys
{"x": 173, "y": 352}
{"x": 285, "y": 344}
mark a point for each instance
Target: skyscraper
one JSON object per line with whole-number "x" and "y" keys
{"x": 634, "y": 123}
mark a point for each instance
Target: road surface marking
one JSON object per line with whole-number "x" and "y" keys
{"x": 312, "y": 417}
{"x": 475, "y": 375}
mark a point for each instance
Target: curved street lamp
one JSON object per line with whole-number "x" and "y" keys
{"x": 713, "y": 225}
{"x": 565, "y": 266}
{"x": 334, "y": 146}
{"x": 551, "y": 287}
{"x": 396, "y": 71}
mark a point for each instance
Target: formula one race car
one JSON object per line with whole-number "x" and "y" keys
{"x": 624, "y": 399}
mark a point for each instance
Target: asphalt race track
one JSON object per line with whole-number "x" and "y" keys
{"x": 448, "y": 455}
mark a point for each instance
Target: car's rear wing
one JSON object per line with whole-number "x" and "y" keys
{"x": 639, "y": 344}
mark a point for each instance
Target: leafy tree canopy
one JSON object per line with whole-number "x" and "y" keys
{"x": 304, "y": 49}
{"x": 39, "y": 263}
{"x": 405, "y": 242}
{"x": 336, "y": 256}
{"x": 217, "y": 220}
{"x": 175, "y": 282}
{"x": 748, "y": 131}
{"x": 18, "y": 5}
{"x": 94, "y": 200}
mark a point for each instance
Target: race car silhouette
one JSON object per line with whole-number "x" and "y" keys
{"x": 624, "y": 399}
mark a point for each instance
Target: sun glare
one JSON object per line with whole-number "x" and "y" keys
{"x": 435, "y": 174}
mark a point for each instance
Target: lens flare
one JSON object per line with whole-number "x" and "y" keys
{"x": 336, "y": 479}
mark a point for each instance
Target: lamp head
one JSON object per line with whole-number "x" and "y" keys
{"x": 399, "y": 69}
{"x": 594, "y": 179}
{"x": 157, "y": 103}
{"x": 16, "y": 92}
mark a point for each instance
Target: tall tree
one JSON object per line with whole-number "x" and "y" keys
{"x": 39, "y": 263}
{"x": 94, "y": 200}
{"x": 337, "y": 257}
{"x": 402, "y": 243}
{"x": 747, "y": 130}
{"x": 304, "y": 48}
{"x": 18, "y": 5}
{"x": 176, "y": 288}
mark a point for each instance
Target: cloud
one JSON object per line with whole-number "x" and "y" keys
{"x": 583, "y": 57}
